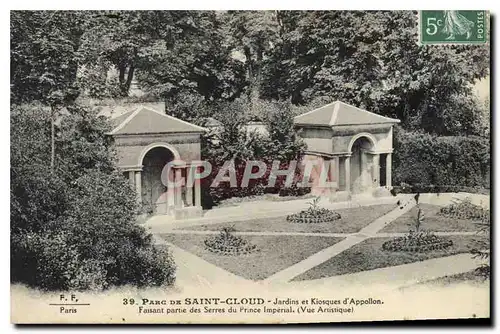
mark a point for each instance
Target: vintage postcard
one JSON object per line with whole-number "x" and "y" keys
{"x": 249, "y": 167}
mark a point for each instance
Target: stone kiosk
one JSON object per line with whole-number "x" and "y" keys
{"x": 146, "y": 140}
{"x": 356, "y": 143}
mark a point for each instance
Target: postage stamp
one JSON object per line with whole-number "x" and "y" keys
{"x": 453, "y": 26}
{"x": 249, "y": 167}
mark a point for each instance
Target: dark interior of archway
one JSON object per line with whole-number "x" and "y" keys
{"x": 383, "y": 167}
{"x": 358, "y": 146}
{"x": 153, "y": 163}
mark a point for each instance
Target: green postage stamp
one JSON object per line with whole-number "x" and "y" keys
{"x": 453, "y": 26}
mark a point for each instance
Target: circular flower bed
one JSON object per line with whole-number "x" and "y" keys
{"x": 227, "y": 243}
{"x": 320, "y": 215}
{"x": 417, "y": 242}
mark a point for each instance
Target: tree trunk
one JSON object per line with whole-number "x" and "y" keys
{"x": 280, "y": 23}
{"x": 251, "y": 74}
{"x": 121, "y": 80}
{"x": 248, "y": 56}
{"x": 258, "y": 72}
{"x": 130, "y": 77}
{"x": 52, "y": 139}
{"x": 121, "y": 76}
{"x": 125, "y": 84}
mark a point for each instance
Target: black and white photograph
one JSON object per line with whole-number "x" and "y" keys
{"x": 249, "y": 166}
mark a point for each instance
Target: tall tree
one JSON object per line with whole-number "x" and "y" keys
{"x": 189, "y": 56}
{"x": 373, "y": 60}
{"x": 251, "y": 36}
{"x": 44, "y": 60}
{"x": 115, "y": 39}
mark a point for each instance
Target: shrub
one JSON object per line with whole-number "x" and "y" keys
{"x": 482, "y": 249}
{"x": 233, "y": 142}
{"x": 102, "y": 225}
{"x": 74, "y": 227}
{"x": 256, "y": 187}
{"x": 50, "y": 262}
{"x": 285, "y": 142}
{"x": 466, "y": 210}
{"x": 427, "y": 163}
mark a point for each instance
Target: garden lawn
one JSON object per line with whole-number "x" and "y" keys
{"x": 469, "y": 277}
{"x": 432, "y": 221}
{"x": 276, "y": 252}
{"x": 369, "y": 255}
{"x": 352, "y": 220}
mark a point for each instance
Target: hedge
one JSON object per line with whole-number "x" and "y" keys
{"x": 212, "y": 196}
{"x": 427, "y": 163}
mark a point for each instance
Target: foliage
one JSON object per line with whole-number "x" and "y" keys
{"x": 188, "y": 54}
{"x": 429, "y": 163}
{"x": 189, "y": 107}
{"x": 226, "y": 243}
{"x": 44, "y": 60}
{"x": 113, "y": 40}
{"x": 285, "y": 142}
{"x": 464, "y": 209}
{"x": 75, "y": 228}
{"x": 417, "y": 242}
{"x": 314, "y": 205}
{"x": 250, "y": 34}
{"x": 371, "y": 59}
{"x": 192, "y": 58}
{"x": 232, "y": 141}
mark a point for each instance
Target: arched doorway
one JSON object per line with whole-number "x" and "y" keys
{"x": 361, "y": 165}
{"x": 154, "y": 193}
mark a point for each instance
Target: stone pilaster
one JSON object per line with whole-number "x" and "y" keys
{"x": 347, "y": 166}
{"x": 388, "y": 170}
{"x": 197, "y": 191}
{"x": 138, "y": 186}
{"x": 178, "y": 189}
{"x": 376, "y": 170}
{"x": 131, "y": 177}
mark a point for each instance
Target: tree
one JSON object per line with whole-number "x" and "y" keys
{"x": 44, "y": 64}
{"x": 230, "y": 141}
{"x": 189, "y": 57}
{"x": 285, "y": 143}
{"x": 373, "y": 60}
{"x": 115, "y": 40}
{"x": 251, "y": 34}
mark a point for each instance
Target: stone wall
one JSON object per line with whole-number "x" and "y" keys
{"x": 131, "y": 148}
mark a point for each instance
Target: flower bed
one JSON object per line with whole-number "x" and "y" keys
{"x": 314, "y": 214}
{"x": 466, "y": 210}
{"x": 317, "y": 216}
{"x": 417, "y": 242}
{"x": 227, "y": 243}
